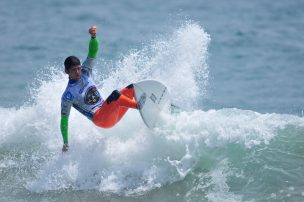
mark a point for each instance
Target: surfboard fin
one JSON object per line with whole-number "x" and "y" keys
{"x": 175, "y": 109}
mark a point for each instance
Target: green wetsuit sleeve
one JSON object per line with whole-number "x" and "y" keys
{"x": 93, "y": 47}
{"x": 64, "y": 123}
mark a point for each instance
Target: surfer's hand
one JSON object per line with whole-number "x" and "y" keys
{"x": 65, "y": 148}
{"x": 93, "y": 31}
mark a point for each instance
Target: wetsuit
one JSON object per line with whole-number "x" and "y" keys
{"x": 83, "y": 95}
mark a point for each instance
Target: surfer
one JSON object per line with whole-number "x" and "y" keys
{"x": 82, "y": 94}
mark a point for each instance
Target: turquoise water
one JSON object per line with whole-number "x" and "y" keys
{"x": 235, "y": 67}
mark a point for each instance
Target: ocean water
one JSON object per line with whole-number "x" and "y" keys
{"x": 235, "y": 68}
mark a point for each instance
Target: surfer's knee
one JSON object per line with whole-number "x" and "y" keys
{"x": 113, "y": 97}
{"x": 130, "y": 86}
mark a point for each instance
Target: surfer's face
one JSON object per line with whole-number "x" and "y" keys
{"x": 75, "y": 72}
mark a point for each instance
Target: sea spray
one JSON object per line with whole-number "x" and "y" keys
{"x": 178, "y": 61}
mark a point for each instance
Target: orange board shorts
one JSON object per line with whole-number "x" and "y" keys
{"x": 115, "y": 107}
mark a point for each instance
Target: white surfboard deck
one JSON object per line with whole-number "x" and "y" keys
{"x": 154, "y": 96}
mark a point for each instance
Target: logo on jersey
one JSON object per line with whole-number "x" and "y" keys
{"x": 68, "y": 96}
{"x": 92, "y": 96}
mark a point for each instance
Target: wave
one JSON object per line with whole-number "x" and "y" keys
{"x": 201, "y": 148}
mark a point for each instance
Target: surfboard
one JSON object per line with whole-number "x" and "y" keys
{"x": 152, "y": 96}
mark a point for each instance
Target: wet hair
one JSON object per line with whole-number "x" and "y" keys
{"x": 70, "y": 62}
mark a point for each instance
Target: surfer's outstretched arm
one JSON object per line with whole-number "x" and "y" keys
{"x": 64, "y": 123}
{"x": 66, "y": 104}
{"x": 93, "y": 50}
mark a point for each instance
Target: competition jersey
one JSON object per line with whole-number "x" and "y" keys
{"x": 82, "y": 94}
